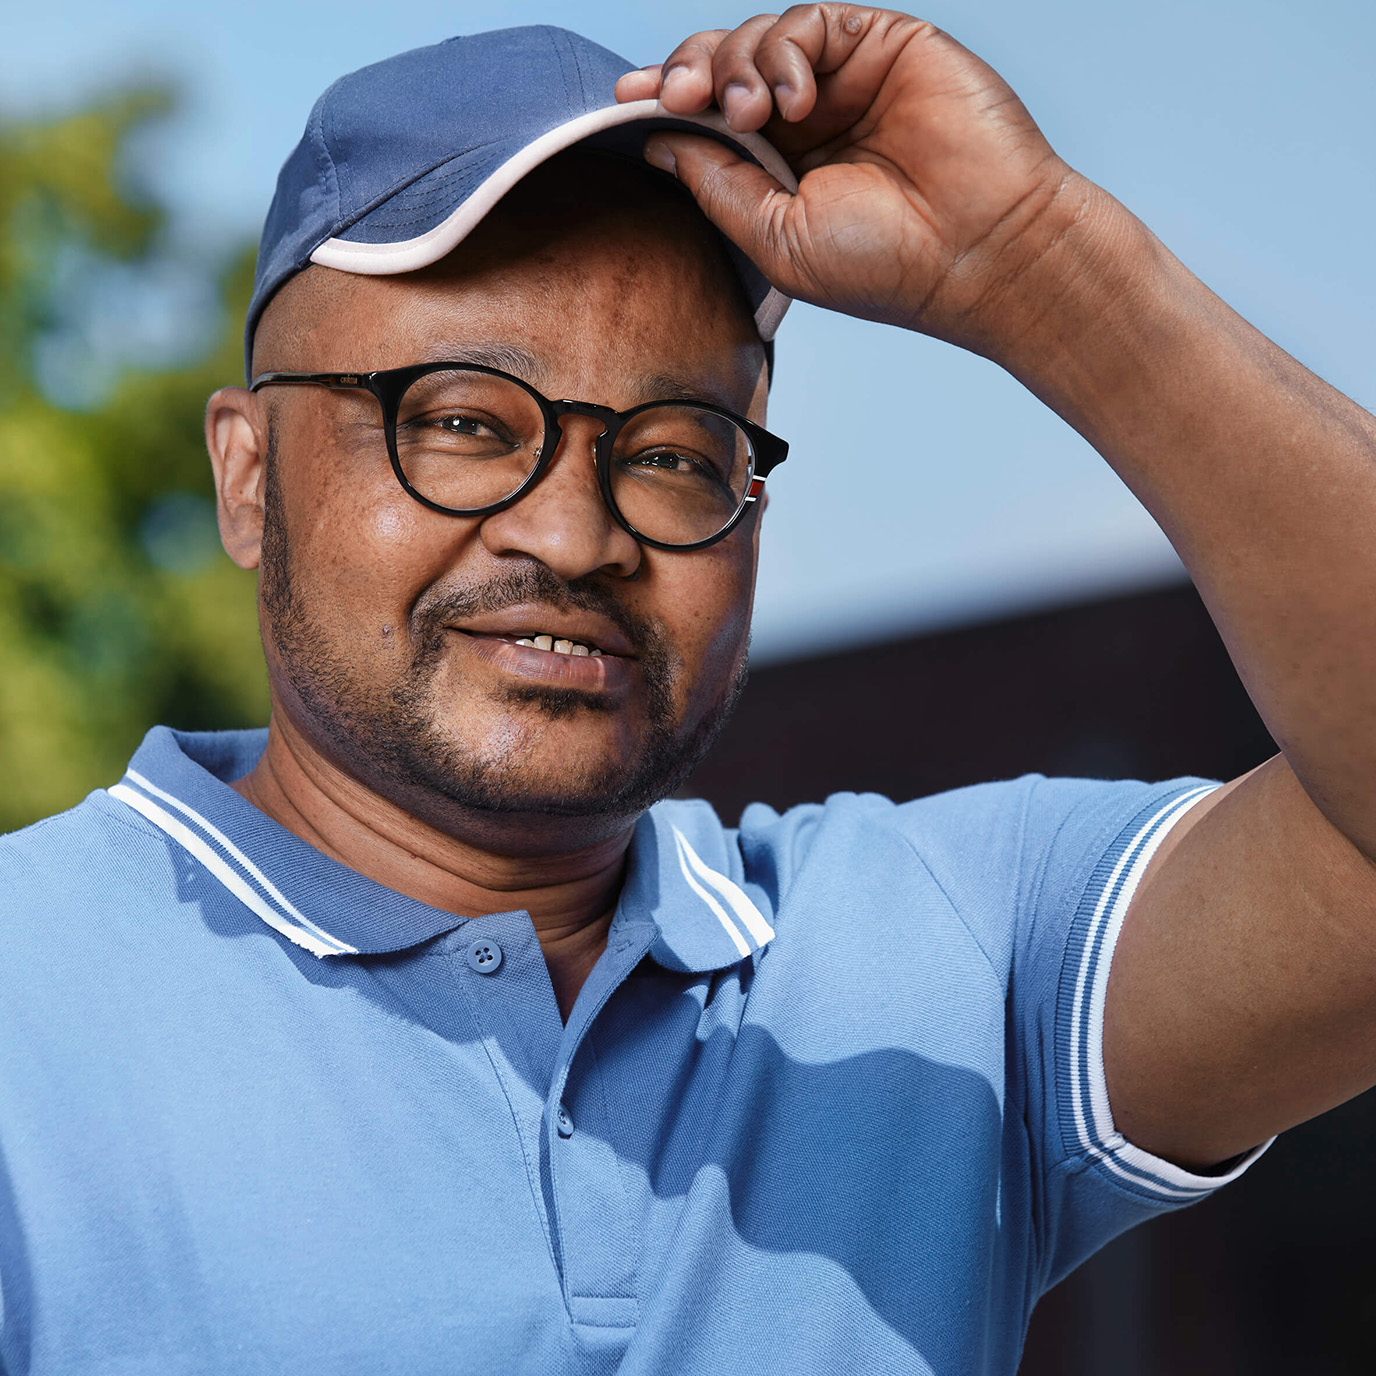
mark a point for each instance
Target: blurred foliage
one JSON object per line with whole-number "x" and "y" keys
{"x": 117, "y": 607}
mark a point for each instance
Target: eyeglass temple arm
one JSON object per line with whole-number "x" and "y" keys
{"x": 776, "y": 451}
{"x": 309, "y": 380}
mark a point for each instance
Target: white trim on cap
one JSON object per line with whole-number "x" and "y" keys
{"x": 377, "y": 260}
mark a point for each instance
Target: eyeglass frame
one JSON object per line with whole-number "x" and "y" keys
{"x": 389, "y": 385}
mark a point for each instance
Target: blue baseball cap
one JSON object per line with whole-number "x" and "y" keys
{"x": 400, "y": 160}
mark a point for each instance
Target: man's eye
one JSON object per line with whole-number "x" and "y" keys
{"x": 676, "y": 463}
{"x": 465, "y": 425}
{"x": 668, "y": 461}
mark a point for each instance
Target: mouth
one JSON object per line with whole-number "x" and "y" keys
{"x": 564, "y": 650}
{"x": 549, "y": 643}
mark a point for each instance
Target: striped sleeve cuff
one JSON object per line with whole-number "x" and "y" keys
{"x": 1086, "y": 1118}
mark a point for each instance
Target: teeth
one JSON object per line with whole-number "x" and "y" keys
{"x": 559, "y": 647}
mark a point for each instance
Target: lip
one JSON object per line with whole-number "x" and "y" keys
{"x": 602, "y": 674}
{"x": 605, "y": 673}
{"x": 530, "y": 619}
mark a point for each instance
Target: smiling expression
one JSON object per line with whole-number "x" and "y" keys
{"x": 538, "y": 660}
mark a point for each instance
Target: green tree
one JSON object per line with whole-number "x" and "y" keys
{"x": 117, "y": 607}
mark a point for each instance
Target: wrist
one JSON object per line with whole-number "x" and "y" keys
{"x": 1063, "y": 297}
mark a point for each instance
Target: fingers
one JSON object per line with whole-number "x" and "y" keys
{"x": 737, "y": 195}
{"x": 742, "y": 92}
{"x": 787, "y": 68}
{"x": 773, "y": 57}
{"x": 639, "y": 85}
{"x": 684, "y": 79}
{"x": 717, "y": 66}
{"x": 768, "y": 63}
{"x": 809, "y": 41}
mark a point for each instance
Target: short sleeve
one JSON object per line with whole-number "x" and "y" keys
{"x": 1084, "y": 848}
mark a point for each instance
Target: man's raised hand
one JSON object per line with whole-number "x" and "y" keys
{"x": 926, "y": 189}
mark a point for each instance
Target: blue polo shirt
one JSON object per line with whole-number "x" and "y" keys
{"x": 832, "y": 1100}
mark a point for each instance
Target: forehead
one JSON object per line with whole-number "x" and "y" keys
{"x": 590, "y": 275}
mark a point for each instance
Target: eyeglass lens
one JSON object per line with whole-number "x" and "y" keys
{"x": 680, "y": 473}
{"x": 467, "y": 440}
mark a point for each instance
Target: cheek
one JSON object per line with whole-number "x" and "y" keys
{"x": 390, "y": 527}
{"x": 727, "y": 647}
{"x": 709, "y": 614}
{"x": 373, "y": 554}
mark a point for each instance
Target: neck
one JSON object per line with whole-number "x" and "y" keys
{"x": 570, "y": 895}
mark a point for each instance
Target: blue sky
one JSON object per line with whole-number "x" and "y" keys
{"x": 1240, "y": 132}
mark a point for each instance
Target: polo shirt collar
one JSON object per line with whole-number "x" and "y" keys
{"x": 679, "y": 895}
{"x": 685, "y": 876}
{"x": 179, "y": 781}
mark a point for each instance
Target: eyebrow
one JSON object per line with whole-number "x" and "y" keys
{"x": 511, "y": 358}
{"x": 666, "y": 387}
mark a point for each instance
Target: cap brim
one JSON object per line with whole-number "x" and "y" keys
{"x": 372, "y": 258}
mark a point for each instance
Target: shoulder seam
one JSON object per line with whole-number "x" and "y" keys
{"x": 1034, "y": 898}
{"x": 45, "y": 823}
{"x": 133, "y": 822}
{"x": 960, "y": 917}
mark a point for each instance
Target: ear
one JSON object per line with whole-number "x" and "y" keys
{"x": 237, "y": 438}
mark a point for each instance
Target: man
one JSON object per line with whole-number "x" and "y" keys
{"x": 412, "y": 1037}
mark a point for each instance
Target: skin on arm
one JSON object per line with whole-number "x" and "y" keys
{"x": 1243, "y": 994}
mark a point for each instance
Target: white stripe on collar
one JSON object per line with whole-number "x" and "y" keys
{"x": 266, "y": 900}
{"x": 697, "y": 874}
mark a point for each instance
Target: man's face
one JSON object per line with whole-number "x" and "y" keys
{"x": 391, "y": 628}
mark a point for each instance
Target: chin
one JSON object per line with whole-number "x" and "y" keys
{"x": 531, "y": 768}
{"x": 549, "y": 740}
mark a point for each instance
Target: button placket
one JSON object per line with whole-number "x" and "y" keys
{"x": 501, "y": 972}
{"x": 600, "y": 1250}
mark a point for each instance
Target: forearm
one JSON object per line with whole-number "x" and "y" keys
{"x": 1262, "y": 475}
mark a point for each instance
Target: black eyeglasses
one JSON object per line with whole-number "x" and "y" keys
{"x": 468, "y": 440}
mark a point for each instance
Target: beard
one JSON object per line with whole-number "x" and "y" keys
{"x": 395, "y": 731}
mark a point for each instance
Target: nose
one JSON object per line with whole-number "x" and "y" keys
{"x": 563, "y": 521}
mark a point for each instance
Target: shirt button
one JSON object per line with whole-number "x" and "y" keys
{"x": 485, "y": 957}
{"x": 563, "y": 1122}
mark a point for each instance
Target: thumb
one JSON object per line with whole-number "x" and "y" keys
{"x": 747, "y": 204}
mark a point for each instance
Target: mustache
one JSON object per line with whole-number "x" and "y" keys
{"x": 532, "y": 582}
